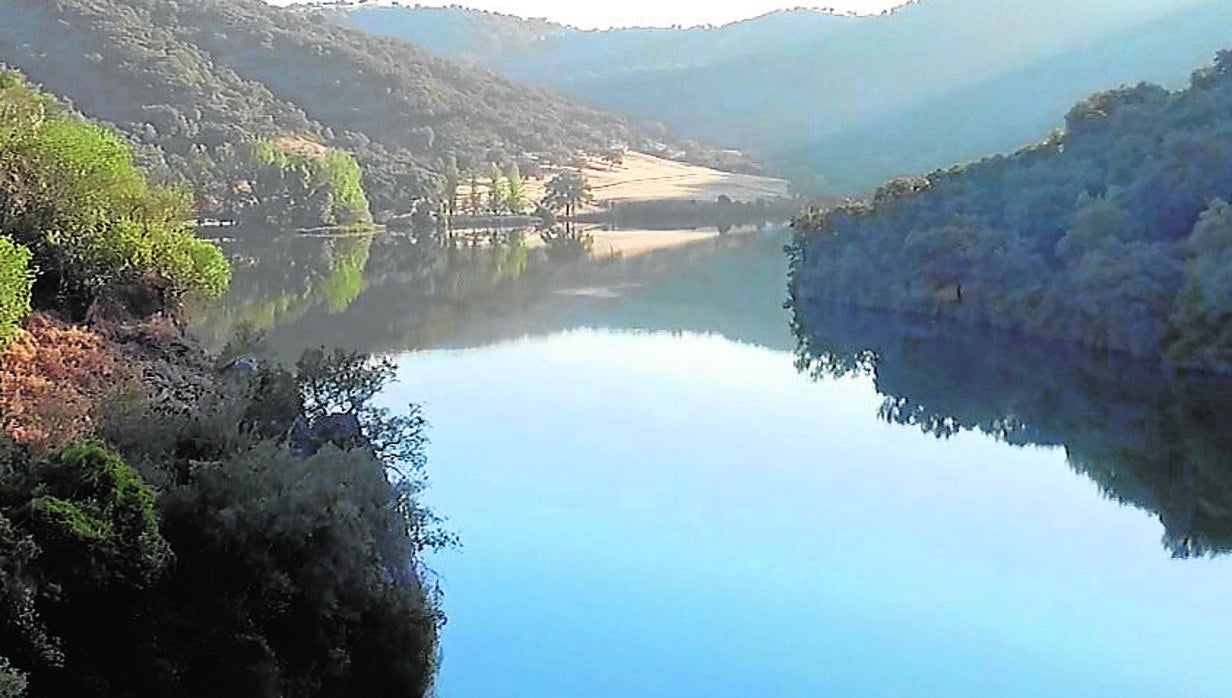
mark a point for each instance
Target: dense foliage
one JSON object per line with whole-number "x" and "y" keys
{"x": 840, "y": 103}
{"x": 317, "y": 184}
{"x": 198, "y": 82}
{"x": 1114, "y": 233}
{"x": 71, "y": 194}
{"x": 254, "y": 532}
{"x": 16, "y": 280}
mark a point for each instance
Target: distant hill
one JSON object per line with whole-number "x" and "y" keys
{"x": 197, "y": 83}
{"x": 796, "y": 85}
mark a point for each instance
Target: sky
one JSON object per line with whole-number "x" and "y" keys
{"x": 642, "y": 13}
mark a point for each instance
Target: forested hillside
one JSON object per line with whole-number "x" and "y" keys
{"x": 174, "y": 523}
{"x": 201, "y": 84}
{"x": 836, "y": 101}
{"x": 1115, "y": 233}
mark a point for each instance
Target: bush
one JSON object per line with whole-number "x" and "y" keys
{"x": 15, "y": 282}
{"x": 334, "y": 173}
{"x": 12, "y": 682}
{"x": 94, "y": 519}
{"x": 52, "y": 379}
{"x": 76, "y": 199}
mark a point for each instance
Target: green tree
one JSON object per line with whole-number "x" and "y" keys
{"x": 1202, "y": 333}
{"x": 73, "y": 196}
{"x": 498, "y": 190}
{"x": 474, "y": 197}
{"x": 95, "y": 522}
{"x": 566, "y": 192}
{"x": 517, "y": 189}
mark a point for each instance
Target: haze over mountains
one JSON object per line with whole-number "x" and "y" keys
{"x": 836, "y": 100}
{"x": 195, "y": 83}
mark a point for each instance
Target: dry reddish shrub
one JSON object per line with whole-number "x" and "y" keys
{"x": 53, "y": 378}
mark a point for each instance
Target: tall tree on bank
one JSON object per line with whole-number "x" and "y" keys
{"x": 566, "y": 192}
{"x": 517, "y": 189}
{"x": 498, "y": 190}
{"x": 453, "y": 179}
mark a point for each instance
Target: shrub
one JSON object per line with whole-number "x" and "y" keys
{"x": 53, "y": 377}
{"x": 12, "y": 682}
{"x": 94, "y": 519}
{"x": 75, "y": 198}
{"x": 15, "y": 282}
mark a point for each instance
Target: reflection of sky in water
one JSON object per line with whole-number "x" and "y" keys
{"x": 659, "y": 515}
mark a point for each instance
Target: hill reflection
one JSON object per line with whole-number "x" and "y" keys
{"x": 1148, "y": 438}
{"x": 396, "y": 292}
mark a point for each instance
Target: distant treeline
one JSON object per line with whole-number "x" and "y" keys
{"x": 1115, "y": 233}
{"x": 839, "y": 103}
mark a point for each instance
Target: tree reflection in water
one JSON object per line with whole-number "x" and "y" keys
{"x": 1148, "y": 437}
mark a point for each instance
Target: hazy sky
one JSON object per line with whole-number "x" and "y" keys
{"x": 620, "y": 13}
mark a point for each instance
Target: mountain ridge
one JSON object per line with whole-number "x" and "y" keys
{"x": 783, "y": 81}
{"x": 196, "y": 83}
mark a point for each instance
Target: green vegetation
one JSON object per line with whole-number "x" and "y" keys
{"x": 839, "y": 103}
{"x": 16, "y": 280}
{"x": 169, "y": 526}
{"x": 517, "y": 200}
{"x": 566, "y": 192}
{"x": 74, "y": 198}
{"x": 332, "y": 180}
{"x": 198, "y": 85}
{"x": 259, "y": 533}
{"x": 93, "y": 518}
{"x": 1112, "y": 234}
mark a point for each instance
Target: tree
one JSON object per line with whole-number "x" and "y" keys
{"x": 73, "y": 196}
{"x": 95, "y": 522}
{"x": 473, "y": 199}
{"x": 613, "y": 157}
{"x": 517, "y": 189}
{"x": 452, "y": 181}
{"x": 498, "y": 190}
{"x": 566, "y": 192}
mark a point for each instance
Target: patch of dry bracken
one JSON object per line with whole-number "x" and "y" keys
{"x": 53, "y": 379}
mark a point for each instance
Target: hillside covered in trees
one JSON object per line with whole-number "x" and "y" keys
{"x": 1115, "y": 233}
{"x": 171, "y": 522}
{"x": 204, "y": 86}
{"x": 841, "y": 103}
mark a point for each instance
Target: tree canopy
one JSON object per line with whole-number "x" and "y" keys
{"x": 72, "y": 195}
{"x": 1110, "y": 233}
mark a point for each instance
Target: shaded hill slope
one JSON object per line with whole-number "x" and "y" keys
{"x": 781, "y": 83}
{"x": 194, "y": 82}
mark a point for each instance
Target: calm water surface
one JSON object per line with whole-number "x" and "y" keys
{"x": 655, "y": 501}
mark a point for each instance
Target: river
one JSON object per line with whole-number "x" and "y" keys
{"x": 661, "y": 490}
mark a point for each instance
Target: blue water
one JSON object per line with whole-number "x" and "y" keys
{"x": 677, "y": 514}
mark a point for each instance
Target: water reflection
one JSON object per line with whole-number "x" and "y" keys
{"x": 1149, "y": 438}
{"x": 401, "y": 290}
